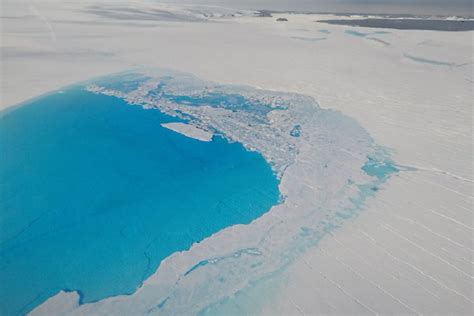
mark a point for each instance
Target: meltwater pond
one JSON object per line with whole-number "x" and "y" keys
{"x": 95, "y": 194}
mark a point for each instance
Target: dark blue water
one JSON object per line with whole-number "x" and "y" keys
{"x": 94, "y": 194}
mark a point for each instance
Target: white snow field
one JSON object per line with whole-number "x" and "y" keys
{"x": 409, "y": 250}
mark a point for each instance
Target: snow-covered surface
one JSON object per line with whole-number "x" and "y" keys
{"x": 411, "y": 248}
{"x": 189, "y": 131}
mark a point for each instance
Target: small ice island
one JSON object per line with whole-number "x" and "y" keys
{"x": 189, "y": 131}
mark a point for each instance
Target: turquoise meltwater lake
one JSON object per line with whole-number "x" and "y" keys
{"x": 95, "y": 194}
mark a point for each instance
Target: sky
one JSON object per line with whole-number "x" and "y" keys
{"x": 443, "y": 7}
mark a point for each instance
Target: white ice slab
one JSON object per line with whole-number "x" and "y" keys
{"x": 189, "y": 131}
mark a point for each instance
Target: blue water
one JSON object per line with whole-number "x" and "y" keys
{"x": 95, "y": 193}
{"x": 220, "y": 100}
{"x": 429, "y": 61}
{"x": 296, "y": 131}
{"x": 362, "y": 34}
{"x": 127, "y": 82}
{"x": 356, "y": 33}
{"x": 381, "y": 169}
{"x": 309, "y": 39}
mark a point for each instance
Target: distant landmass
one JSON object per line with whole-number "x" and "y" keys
{"x": 408, "y": 24}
